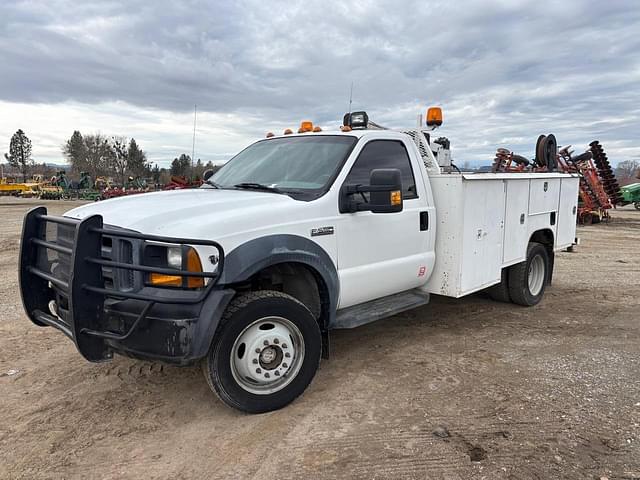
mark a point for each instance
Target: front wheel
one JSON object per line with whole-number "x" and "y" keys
{"x": 527, "y": 280}
{"x": 265, "y": 352}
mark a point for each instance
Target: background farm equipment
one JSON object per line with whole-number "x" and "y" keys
{"x": 544, "y": 161}
{"x": 180, "y": 182}
{"x": 631, "y": 194}
{"x": 22, "y": 189}
{"x": 131, "y": 187}
{"x": 72, "y": 190}
{"x": 599, "y": 190}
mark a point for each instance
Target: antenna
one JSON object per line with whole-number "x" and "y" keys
{"x": 193, "y": 144}
{"x": 350, "y": 97}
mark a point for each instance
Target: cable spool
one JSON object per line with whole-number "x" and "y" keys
{"x": 547, "y": 151}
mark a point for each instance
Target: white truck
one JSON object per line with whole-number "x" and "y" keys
{"x": 296, "y": 235}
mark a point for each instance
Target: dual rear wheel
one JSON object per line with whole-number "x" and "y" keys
{"x": 525, "y": 282}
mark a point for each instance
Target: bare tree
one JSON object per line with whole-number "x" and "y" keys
{"x": 627, "y": 171}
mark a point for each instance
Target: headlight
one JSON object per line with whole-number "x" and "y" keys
{"x": 174, "y": 258}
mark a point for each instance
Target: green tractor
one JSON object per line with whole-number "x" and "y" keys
{"x": 80, "y": 190}
{"x": 631, "y": 194}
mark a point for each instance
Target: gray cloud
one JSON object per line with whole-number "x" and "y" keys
{"x": 504, "y": 72}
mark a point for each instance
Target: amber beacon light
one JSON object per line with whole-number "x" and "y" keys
{"x": 434, "y": 117}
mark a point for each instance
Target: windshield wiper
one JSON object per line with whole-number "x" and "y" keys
{"x": 258, "y": 186}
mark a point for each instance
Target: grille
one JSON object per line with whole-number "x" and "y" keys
{"x": 122, "y": 251}
{"x": 59, "y": 264}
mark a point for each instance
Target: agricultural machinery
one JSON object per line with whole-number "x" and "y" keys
{"x": 598, "y": 191}
{"x": 631, "y": 194}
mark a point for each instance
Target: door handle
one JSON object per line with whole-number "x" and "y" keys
{"x": 424, "y": 221}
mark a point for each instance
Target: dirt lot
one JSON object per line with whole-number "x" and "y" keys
{"x": 454, "y": 390}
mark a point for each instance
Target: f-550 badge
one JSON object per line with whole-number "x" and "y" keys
{"x": 318, "y": 232}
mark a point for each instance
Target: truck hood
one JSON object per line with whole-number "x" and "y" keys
{"x": 190, "y": 212}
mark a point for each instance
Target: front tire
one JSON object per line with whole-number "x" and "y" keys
{"x": 527, "y": 280}
{"x": 265, "y": 353}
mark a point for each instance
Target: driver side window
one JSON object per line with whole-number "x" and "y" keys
{"x": 383, "y": 154}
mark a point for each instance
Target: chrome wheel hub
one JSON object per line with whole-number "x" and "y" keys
{"x": 267, "y": 355}
{"x": 536, "y": 275}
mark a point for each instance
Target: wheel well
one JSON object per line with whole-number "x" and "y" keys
{"x": 545, "y": 237}
{"x": 300, "y": 281}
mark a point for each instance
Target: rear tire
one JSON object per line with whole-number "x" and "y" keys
{"x": 265, "y": 353}
{"x": 500, "y": 292}
{"x": 527, "y": 280}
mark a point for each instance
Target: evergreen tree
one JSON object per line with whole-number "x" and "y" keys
{"x": 137, "y": 160}
{"x": 181, "y": 166}
{"x": 76, "y": 152}
{"x": 19, "y": 155}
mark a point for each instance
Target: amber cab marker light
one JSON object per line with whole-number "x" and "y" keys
{"x": 317, "y": 129}
{"x": 396, "y": 197}
{"x": 434, "y": 117}
{"x": 306, "y": 126}
{"x": 345, "y": 128}
{"x": 270, "y": 134}
{"x": 288, "y": 131}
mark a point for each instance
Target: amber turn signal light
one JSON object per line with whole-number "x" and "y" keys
{"x": 396, "y": 197}
{"x": 194, "y": 265}
{"x": 161, "y": 280}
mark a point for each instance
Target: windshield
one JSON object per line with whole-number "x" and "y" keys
{"x": 297, "y": 165}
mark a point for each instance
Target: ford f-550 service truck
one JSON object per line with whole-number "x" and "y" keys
{"x": 295, "y": 236}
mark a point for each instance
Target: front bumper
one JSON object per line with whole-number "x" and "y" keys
{"x": 68, "y": 283}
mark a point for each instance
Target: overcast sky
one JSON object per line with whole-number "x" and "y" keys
{"x": 503, "y": 72}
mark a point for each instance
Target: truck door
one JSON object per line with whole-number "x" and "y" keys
{"x": 381, "y": 254}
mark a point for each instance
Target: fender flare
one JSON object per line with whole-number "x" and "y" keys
{"x": 255, "y": 255}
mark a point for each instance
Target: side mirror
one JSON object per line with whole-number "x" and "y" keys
{"x": 385, "y": 193}
{"x": 207, "y": 175}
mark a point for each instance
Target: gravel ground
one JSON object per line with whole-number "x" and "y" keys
{"x": 453, "y": 390}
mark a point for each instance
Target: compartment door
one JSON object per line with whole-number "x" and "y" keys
{"x": 566, "y": 232}
{"x": 482, "y": 234}
{"x": 516, "y": 219}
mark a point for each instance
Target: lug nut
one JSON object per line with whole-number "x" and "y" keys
{"x": 287, "y": 354}
{"x": 284, "y": 365}
{"x": 277, "y": 373}
{"x": 284, "y": 345}
{"x": 258, "y": 370}
{"x": 266, "y": 342}
{"x": 258, "y": 350}
{"x": 266, "y": 375}
{"x": 276, "y": 341}
{"x": 255, "y": 360}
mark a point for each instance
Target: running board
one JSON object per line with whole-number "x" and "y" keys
{"x": 368, "y": 312}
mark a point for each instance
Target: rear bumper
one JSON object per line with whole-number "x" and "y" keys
{"x": 62, "y": 286}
